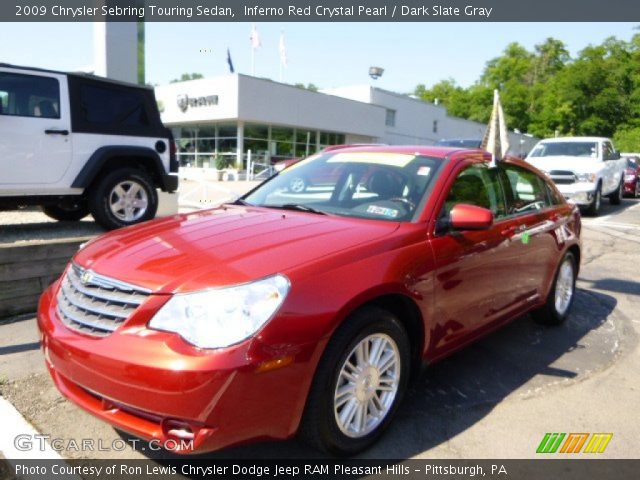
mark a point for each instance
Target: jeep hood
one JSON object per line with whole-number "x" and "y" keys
{"x": 223, "y": 246}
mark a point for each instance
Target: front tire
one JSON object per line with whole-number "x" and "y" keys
{"x": 123, "y": 197}
{"x": 297, "y": 185}
{"x": 558, "y": 304}
{"x": 67, "y": 212}
{"x": 616, "y": 197}
{"x": 359, "y": 384}
{"x": 594, "y": 207}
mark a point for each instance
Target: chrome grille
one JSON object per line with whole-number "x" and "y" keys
{"x": 562, "y": 177}
{"x": 96, "y": 305}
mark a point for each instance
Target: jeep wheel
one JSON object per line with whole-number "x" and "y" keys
{"x": 67, "y": 212}
{"x": 123, "y": 197}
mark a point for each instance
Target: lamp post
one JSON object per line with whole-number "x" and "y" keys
{"x": 376, "y": 72}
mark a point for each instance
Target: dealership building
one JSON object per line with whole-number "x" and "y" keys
{"x": 226, "y": 117}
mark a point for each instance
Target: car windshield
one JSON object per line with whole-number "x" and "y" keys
{"x": 571, "y": 149}
{"x": 374, "y": 185}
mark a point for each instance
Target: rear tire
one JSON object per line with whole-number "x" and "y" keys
{"x": 123, "y": 197}
{"x": 359, "y": 383}
{"x": 558, "y": 304}
{"x": 67, "y": 212}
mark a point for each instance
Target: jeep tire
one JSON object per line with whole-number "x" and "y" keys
{"x": 123, "y": 197}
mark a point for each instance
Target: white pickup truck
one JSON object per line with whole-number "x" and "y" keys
{"x": 583, "y": 168}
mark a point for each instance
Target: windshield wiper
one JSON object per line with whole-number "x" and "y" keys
{"x": 299, "y": 207}
{"x": 239, "y": 201}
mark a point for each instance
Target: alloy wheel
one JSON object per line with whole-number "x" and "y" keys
{"x": 367, "y": 385}
{"x": 564, "y": 286}
{"x": 128, "y": 201}
{"x": 297, "y": 185}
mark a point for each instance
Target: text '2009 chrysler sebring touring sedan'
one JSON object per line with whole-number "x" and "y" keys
{"x": 306, "y": 312}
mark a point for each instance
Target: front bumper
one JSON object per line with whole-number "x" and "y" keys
{"x": 169, "y": 183}
{"x": 156, "y": 386}
{"x": 579, "y": 193}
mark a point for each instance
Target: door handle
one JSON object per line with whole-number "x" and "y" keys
{"x": 509, "y": 231}
{"x": 56, "y": 132}
{"x": 513, "y": 229}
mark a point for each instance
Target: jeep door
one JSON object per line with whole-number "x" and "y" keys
{"x": 35, "y": 143}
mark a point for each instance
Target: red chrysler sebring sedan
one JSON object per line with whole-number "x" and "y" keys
{"x": 307, "y": 312}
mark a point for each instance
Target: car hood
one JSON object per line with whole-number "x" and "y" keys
{"x": 563, "y": 162}
{"x": 223, "y": 246}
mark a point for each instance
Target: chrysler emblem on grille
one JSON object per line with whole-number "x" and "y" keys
{"x": 86, "y": 277}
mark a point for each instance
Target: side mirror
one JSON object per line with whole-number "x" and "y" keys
{"x": 616, "y": 155}
{"x": 470, "y": 217}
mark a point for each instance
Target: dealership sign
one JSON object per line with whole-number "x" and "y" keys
{"x": 185, "y": 101}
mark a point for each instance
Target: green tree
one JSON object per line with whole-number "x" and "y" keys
{"x": 546, "y": 91}
{"x": 309, "y": 86}
{"x": 187, "y": 76}
{"x": 447, "y": 93}
{"x": 627, "y": 139}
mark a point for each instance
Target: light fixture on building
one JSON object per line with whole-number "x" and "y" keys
{"x": 376, "y": 72}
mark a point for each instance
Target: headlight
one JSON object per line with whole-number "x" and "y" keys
{"x": 586, "y": 177}
{"x": 629, "y": 178}
{"x": 223, "y": 316}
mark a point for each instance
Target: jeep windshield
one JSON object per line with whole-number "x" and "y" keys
{"x": 373, "y": 185}
{"x": 569, "y": 149}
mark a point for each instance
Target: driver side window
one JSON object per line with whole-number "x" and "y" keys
{"x": 477, "y": 185}
{"x": 527, "y": 191}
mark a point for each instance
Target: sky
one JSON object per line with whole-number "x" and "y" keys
{"x": 325, "y": 54}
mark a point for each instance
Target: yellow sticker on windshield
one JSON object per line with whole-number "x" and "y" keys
{"x": 380, "y": 158}
{"x": 304, "y": 161}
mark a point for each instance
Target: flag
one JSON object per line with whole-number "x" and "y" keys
{"x": 283, "y": 51}
{"x": 496, "y": 137}
{"x": 230, "y": 62}
{"x": 255, "y": 38}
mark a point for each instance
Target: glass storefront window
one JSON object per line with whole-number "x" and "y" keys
{"x": 258, "y": 132}
{"x": 227, "y": 130}
{"x": 330, "y": 138}
{"x": 198, "y": 145}
{"x": 257, "y": 147}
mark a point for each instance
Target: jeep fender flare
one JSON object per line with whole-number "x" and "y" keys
{"x": 103, "y": 155}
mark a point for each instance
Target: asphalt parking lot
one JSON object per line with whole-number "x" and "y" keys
{"x": 496, "y": 399}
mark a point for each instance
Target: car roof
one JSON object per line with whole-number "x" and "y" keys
{"x": 426, "y": 150}
{"x": 573, "y": 139}
{"x": 77, "y": 74}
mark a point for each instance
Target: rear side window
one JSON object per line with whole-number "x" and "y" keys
{"x": 526, "y": 192}
{"x": 29, "y": 96}
{"x": 108, "y": 107}
{"x": 112, "y": 108}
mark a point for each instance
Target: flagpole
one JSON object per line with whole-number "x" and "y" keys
{"x": 253, "y": 61}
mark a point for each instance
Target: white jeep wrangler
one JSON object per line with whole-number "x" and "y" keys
{"x": 583, "y": 168}
{"x": 77, "y": 144}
